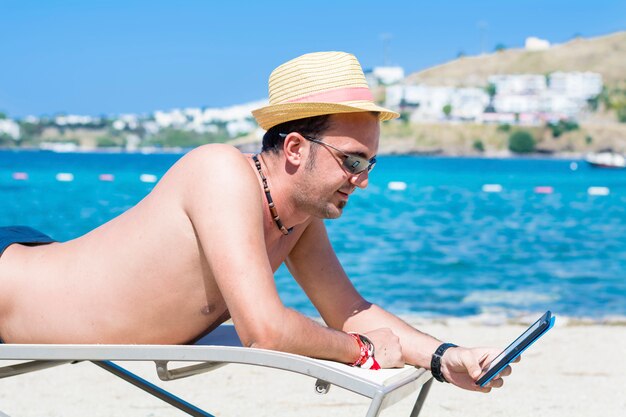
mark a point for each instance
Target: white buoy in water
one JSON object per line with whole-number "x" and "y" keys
{"x": 397, "y": 185}
{"x": 106, "y": 177}
{"x": 492, "y": 188}
{"x": 573, "y": 166}
{"x": 65, "y": 177}
{"x": 148, "y": 178}
{"x": 598, "y": 191}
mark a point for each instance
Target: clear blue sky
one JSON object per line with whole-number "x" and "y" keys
{"x": 109, "y": 57}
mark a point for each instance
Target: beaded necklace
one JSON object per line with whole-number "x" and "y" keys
{"x": 268, "y": 196}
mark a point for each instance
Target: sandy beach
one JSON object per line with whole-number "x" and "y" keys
{"x": 575, "y": 370}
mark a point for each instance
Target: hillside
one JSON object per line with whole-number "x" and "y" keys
{"x": 605, "y": 55}
{"x": 460, "y": 138}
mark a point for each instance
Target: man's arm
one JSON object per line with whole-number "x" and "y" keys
{"x": 460, "y": 366}
{"x": 222, "y": 197}
{"x": 315, "y": 266}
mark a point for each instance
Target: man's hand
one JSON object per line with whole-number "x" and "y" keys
{"x": 387, "y": 349}
{"x": 462, "y": 367}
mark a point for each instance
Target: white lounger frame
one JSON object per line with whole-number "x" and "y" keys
{"x": 384, "y": 387}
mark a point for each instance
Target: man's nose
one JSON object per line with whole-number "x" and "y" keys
{"x": 361, "y": 179}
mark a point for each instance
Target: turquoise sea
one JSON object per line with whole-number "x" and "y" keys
{"x": 434, "y": 244}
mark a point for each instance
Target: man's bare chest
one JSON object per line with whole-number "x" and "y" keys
{"x": 279, "y": 247}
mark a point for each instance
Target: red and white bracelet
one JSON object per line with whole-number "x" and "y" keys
{"x": 366, "y": 358}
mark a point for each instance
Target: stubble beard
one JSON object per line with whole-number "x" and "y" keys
{"x": 322, "y": 208}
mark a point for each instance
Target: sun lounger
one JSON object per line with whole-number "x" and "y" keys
{"x": 383, "y": 388}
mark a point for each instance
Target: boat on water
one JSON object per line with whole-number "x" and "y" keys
{"x": 606, "y": 160}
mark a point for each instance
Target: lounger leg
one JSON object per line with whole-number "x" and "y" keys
{"x": 25, "y": 367}
{"x": 152, "y": 389}
{"x": 421, "y": 398}
{"x": 375, "y": 405}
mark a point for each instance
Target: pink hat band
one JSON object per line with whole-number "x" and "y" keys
{"x": 338, "y": 95}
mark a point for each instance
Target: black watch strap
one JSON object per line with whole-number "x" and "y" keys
{"x": 435, "y": 362}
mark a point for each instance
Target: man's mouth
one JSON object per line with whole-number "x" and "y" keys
{"x": 344, "y": 194}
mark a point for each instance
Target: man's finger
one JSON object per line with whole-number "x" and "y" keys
{"x": 506, "y": 371}
{"x": 496, "y": 383}
{"x": 471, "y": 364}
{"x": 485, "y": 389}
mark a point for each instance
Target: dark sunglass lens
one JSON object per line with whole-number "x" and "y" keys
{"x": 356, "y": 165}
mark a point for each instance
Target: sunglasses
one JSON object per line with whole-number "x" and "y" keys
{"x": 352, "y": 163}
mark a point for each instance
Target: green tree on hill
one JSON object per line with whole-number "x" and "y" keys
{"x": 521, "y": 142}
{"x": 491, "y": 90}
{"x": 447, "y": 110}
{"x": 621, "y": 114}
{"x": 562, "y": 126}
{"x": 186, "y": 139}
{"x": 615, "y": 99}
{"x": 30, "y": 132}
{"x": 504, "y": 127}
{"x": 109, "y": 141}
{"x": 6, "y": 140}
{"x": 478, "y": 145}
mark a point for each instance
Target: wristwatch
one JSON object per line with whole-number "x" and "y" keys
{"x": 435, "y": 362}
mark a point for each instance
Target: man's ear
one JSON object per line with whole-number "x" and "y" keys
{"x": 293, "y": 148}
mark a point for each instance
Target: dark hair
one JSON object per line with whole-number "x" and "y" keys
{"x": 310, "y": 127}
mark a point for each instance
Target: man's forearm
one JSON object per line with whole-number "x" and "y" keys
{"x": 417, "y": 347}
{"x": 295, "y": 333}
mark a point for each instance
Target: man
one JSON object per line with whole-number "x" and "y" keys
{"x": 202, "y": 247}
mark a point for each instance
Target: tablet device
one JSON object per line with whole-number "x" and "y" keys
{"x": 515, "y": 349}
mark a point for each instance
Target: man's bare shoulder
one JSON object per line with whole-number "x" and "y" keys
{"x": 213, "y": 157}
{"x": 217, "y": 164}
{"x": 213, "y": 171}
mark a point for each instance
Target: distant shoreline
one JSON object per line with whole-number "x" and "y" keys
{"x": 500, "y": 320}
{"x": 425, "y": 154}
{"x": 521, "y": 320}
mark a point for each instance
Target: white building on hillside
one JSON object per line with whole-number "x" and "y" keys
{"x": 75, "y": 120}
{"x": 388, "y": 75}
{"x": 430, "y": 102}
{"x": 240, "y": 126}
{"x": 173, "y": 118}
{"x": 427, "y": 103}
{"x": 232, "y": 113}
{"x": 516, "y": 103}
{"x": 535, "y": 44}
{"x": 580, "y": 85}
{"x": 554, "y": 102}
{"x": 561, "y": 94}
{"x": 236, "y": 119}
{"x": 10, "y": 128}
{"x": 518, "y": 83}
{"x": 126, "y": 121}
{"x": 395, "y": 95}
{"x": 469, "y": 103}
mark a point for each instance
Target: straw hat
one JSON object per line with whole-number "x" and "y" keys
{"x": 316, "y": 84}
